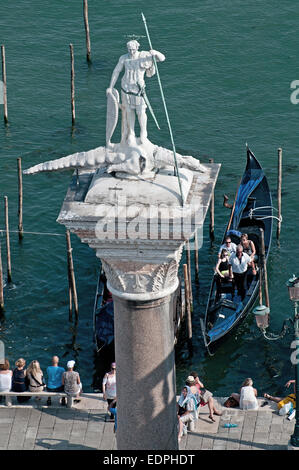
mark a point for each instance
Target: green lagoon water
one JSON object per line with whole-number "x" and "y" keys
{"x": 229, "y": 66}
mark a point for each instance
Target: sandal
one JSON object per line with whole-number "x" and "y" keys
{"x": 212, "y": 419}
{"x": 217, "y": 413}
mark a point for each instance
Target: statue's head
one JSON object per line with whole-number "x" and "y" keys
{"x": 133, "y": 45}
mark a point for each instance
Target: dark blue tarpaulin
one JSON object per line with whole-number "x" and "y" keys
{"x": 105, "y": 323}
{"x": 250, "y": 181}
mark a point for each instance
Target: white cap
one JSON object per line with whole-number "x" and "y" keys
{"x": 70, "y": 364}
{"x": 190, "y": 378}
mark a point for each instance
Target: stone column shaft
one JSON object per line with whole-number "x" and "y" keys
{"x": 144, "y": 339}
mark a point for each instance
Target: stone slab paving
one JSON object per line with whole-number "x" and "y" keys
{"x": 263, "y": 429}
{"x": 35, "y": 426}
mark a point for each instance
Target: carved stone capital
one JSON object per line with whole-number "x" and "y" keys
{"x": 140, "y": 281}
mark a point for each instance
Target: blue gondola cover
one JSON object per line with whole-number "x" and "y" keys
{"x": 250, "y": 181}
{"x": 105, "y": 323}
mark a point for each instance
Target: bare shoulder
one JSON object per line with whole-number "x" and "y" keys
{"x": 123, "y": 58}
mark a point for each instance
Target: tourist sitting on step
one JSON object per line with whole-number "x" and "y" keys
{"x": 19, "y": 382}
{"x": 190, "y": 382}
{"x": 71, "y": 382}
{"x": 5, "y": 377}
{"x": 54, "y": 382}
{"x": 249, "y": 248}
{"x": 283, "y": 401}
{"x": 206, "y": 397}
{"x": 247, "y": 397}
{"x": 35, "y": 378}
{"x": 187, "y": 411}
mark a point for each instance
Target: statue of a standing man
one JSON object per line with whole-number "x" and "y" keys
{"x": 136, "y": 64}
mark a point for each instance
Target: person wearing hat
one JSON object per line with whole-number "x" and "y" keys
{"x": 109, "y": 387}
{"x": 206, "y": 397}
{"x": 186, "y": 411}
{"x": 71, "y": 381}
{"x": 190, "y": 381}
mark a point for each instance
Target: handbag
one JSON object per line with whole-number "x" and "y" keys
{"x": 37, "y": 382}
{"x": 231, "y": 402}
{"x": 290, "y": 398}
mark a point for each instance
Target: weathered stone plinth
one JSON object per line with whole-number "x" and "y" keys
{"x": 138, "y": 229}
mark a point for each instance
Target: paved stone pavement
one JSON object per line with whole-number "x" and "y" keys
{"x": 263, "y": 429}
{"x": 34, "y": 426}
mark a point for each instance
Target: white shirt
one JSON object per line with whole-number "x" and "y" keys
{"x": 239, "y": 266}
{"x": 110, "y": 381}
{"x": 230, "y": 249}
{"x": 5, "y": 382}
{"x": 248, "y": 399}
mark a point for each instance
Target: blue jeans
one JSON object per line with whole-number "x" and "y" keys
{"x": 113, "y": 411}
{"x": 58, "y": 389}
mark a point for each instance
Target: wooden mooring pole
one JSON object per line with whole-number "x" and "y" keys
{"x": 189, "y": 273}
{"x": 4, "y": 84}
{"x": 1, "y": 284}
{"x": 212, "y": 212}
{"x": 264, "y": 267}
{"x": 188, "y": 309}
{"x": 71, "y": 275}
{"x": 86, "y": 24}
{"x": 70, "y": 290}
{"x": 196, "y": 262}
{"x": 261, "y": 281}
{"x": 7, "y": 239}
{"x": 279, "y": 180}
{"x": 72, "y": 84}
{"x": 20, "y": 209}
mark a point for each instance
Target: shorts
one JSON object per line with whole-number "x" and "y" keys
{"x": 74, "y": 394}
{"x": 204, "y": 398}
{"x": 186, "y": 418}
{"x": 133, "y": 101}
{"x": 225, "y": 273}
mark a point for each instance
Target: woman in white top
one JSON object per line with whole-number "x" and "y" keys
{"x": 5, "y": 377}
{"x": 247, "y": 396}
{"x": 109, "y": 386}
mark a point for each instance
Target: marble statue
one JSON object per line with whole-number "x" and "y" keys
{"x": 133, "y": 157}
{"x": 134, "y": 100}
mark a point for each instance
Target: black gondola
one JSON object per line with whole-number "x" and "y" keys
{"x": 252, "y": 210}
{"x": 103, "y": 316}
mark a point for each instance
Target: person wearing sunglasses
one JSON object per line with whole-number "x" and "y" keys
{"x": 228, "y": 245}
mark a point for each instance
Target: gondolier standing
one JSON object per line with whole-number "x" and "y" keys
{"x": 134, "y": 99}
{"x": 238, "y": 265}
